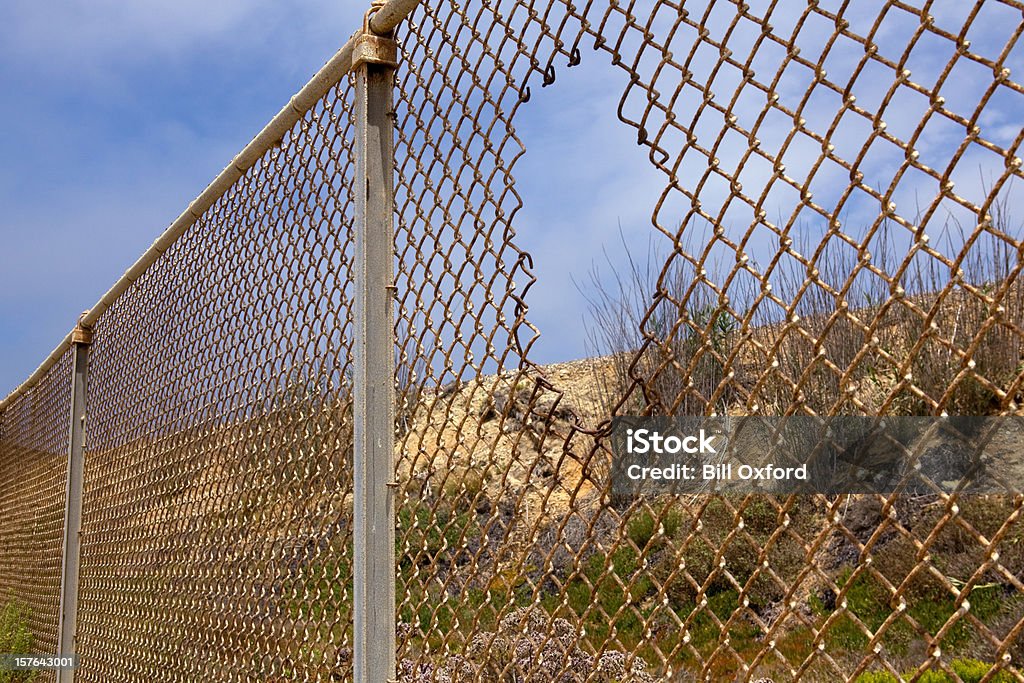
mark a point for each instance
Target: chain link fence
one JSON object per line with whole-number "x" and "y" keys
{"x": 822, "y": 246}
{"x": 34, "y": 430}
{"x": 218, "y": 468}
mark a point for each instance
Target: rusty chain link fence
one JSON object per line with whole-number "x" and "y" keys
{"x": 823, "y": 244}
{"x": 34, "y": 429}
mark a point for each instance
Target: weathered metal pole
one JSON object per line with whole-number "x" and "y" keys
{"x": 374, "y": 59}
{"x": 81, "y": 338}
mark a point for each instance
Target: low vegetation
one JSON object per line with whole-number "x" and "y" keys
{"x": 967, "y": 670}
{"x": 15, "y": 638}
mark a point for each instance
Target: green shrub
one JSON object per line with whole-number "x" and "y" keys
{"x": 933, "y": 676}
{"x": 15, "y": 639}
{"x": 877, "y": 677}
{"x": 15, "y": 636}
{"x": 673, "y": 520}
{"x": 972, "y": 671}
{"x": 969, "y": 671}
{"x": 426, "y": 534}
{"x": 641, "y": 528}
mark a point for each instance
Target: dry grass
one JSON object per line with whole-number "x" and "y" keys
{"x": 903, "y": 330}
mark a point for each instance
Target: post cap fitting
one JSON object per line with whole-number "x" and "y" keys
{"x": 81, "y": 334}
{"x": 371, "y": 48}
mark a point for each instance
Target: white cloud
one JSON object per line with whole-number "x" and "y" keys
{"x": 108, "y": 28}
{"x": 119, "y": 114}
{"x": 89, "y": 37}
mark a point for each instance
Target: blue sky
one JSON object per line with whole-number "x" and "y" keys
{"x": 118, "y": 115}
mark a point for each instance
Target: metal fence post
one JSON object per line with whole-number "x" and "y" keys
{"x": 81, "y": 338}
{"x": 374, "y": 59}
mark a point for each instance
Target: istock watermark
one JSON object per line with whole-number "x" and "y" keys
{"x": 652, "y": 441}
{"x": 807, "y": 454}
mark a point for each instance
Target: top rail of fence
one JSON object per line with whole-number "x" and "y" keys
{"x": 384, "y": 18}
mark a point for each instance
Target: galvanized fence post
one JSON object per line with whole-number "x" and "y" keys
{"x": 81, "y": 338}
{"x": 374, "y": 60}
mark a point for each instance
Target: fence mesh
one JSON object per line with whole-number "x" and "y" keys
{"x": 34, "y": 435}
{"x": 216, "y": 537}
{"x": 835, "y": 235}
{"x": 824, "y": 250}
